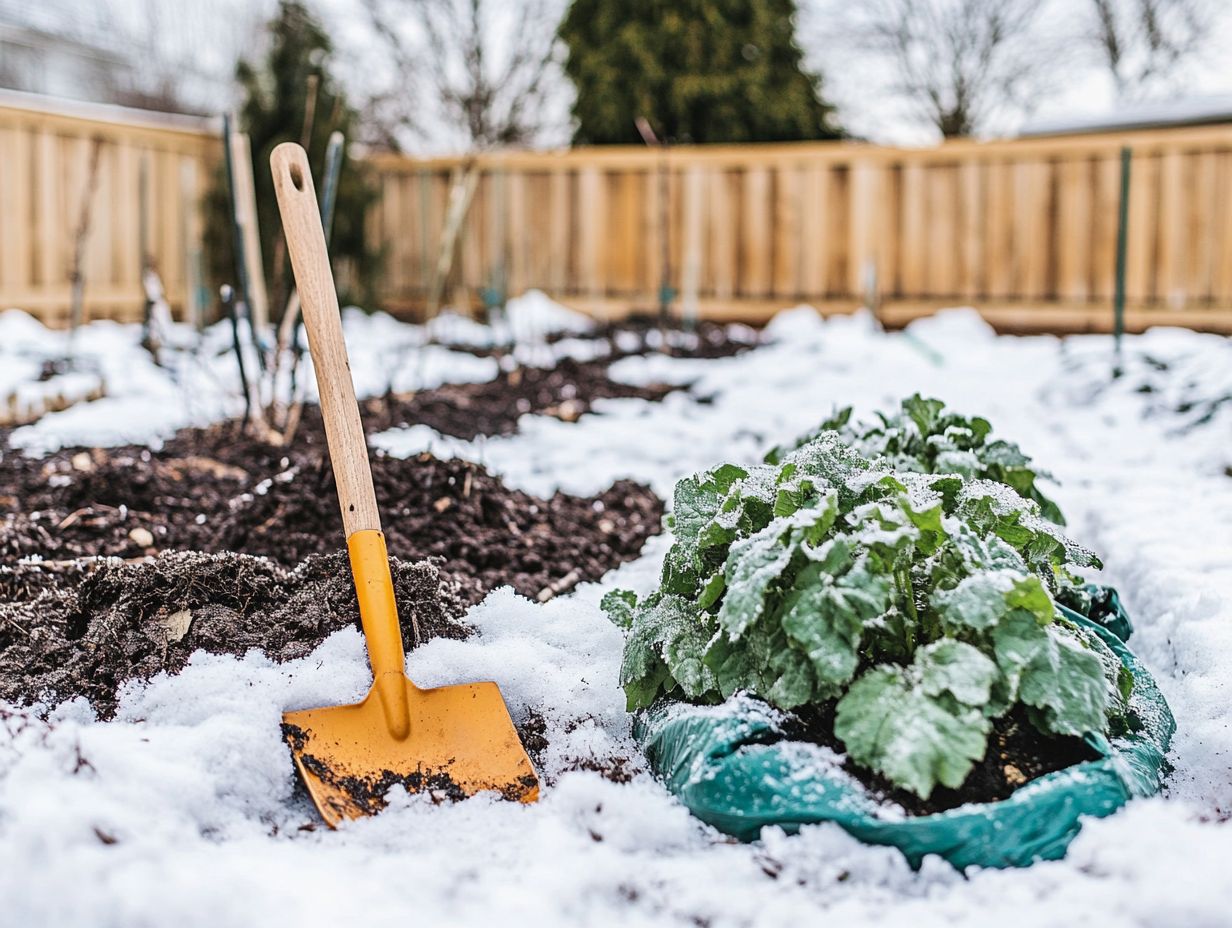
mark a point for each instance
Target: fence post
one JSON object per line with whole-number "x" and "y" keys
{"x": 1118, "y": 300}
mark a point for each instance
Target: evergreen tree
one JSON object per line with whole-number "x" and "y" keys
{"x": 698, "y": 70}
{"x": 276, "y": 94}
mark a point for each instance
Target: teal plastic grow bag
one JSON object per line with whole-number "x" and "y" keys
{"x": 734, "y": 770}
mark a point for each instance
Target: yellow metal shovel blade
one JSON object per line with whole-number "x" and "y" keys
{"x": 461, "y": 742}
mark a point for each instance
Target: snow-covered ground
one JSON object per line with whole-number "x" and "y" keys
{"x": 183, "y": 809}
{"x": 198, "y": 381}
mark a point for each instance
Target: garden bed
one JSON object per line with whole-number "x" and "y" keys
{"x": 119, "y": 563}
{"x": 216, "y": 490}
{"x": 192, "y": 769}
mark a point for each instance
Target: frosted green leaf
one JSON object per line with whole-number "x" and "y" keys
{"x": 794, "y": 680}
{"x": 924, "y": 413}
{"x": 667, "y": 633}
{"x": 825, "y": 616}
{"x": 1065, "y": 681}
{"x": 1029, "y": 595}
{"x": 957, "y": 668}
{"x": 711, "y": 590}
{"x": 753, "y": 565}
{"x": 619, "y": 606}
{"x": 981, "y": 600}
{"x": 697, "y": 499}
{"x": 734, "y": 666}
{"x": 889, "y": 723}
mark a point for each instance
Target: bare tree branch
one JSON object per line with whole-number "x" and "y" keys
{"x": 957, "y": 61}
{"x": 1145, "y": 43}
{"x": 487, "y": 62}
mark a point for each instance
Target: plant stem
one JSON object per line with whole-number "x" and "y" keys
{"x": 908, "y": 593}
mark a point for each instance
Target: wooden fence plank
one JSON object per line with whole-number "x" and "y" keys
{"x": 1032, "y": 239}
{"x": 865, "y": 226}
{"x": 1201, "y": 188}
{"x": 1172, "y": 277}
{"x": 722, "y": 257}
{"x": 16, "y": 247}
{"x": 915, "y": 250}
{"x": 1105, "y": 212}
{"x": 971, "y": 273}
{"x": 999, "y": 274}
{"x": 787, "y": 229}
{"x": 1223, "y": 230}
{"x": 559, "y": 232}
{"x": 47, "y": 224}
{"x": 755, "y": 236}
{"x": 1074, "y": 232}
{"x": 592, "y": 224}
{"x": 941, "y": 222}
{"x": 814, "y": 231}
{"x": 1143, "y": 228}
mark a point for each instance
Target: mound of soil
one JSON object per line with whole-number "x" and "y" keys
{"x": 216, "y": 491}
{"x": 469, "y": 410}
{"x": 126, "y": 621}
{"x": 1017, "y": 753}
{"x": 91, "y": 594}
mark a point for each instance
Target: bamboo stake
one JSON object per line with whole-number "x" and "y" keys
{"x": 76, "y": 275}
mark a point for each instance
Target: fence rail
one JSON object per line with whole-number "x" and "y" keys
{"x": 1025, "y": 229}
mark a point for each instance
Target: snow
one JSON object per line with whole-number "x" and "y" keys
{"x": 182, "y": 810}
{"x": 198, "y": 383}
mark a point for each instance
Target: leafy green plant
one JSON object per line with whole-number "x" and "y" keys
{"x": 923, "y": 437}
{"x": 922, "y": 603}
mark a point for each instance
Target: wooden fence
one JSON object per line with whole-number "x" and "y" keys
{"x": 1025, "y": 230}
{"x": 45, "y": 166}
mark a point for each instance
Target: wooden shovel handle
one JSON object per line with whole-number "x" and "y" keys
{"x": 301, "y": 222}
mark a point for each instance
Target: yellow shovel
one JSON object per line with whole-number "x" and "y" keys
{"x": 452, "y": 740}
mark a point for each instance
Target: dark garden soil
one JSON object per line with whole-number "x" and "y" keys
{"x": 126, "y": 621}
{"x": 466, "y": 411}
{"x": 75, "y": 623}
{"x": 261, "y": 560}
{"x": 215, "y": 491}
{"x": 1017, "y": 754}
{"x": 641, "y": 334}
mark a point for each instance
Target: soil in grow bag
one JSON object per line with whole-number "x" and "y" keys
{"x": 1017, "y": 754}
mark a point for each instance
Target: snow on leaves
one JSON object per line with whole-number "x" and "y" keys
{"x": 924, "y": 438}
{"x": 921, "y": 598}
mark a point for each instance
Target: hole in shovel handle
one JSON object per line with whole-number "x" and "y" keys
{"x": 297, "y": 177}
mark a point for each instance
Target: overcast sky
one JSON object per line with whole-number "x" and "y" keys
{"x": 203, "y": 37}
